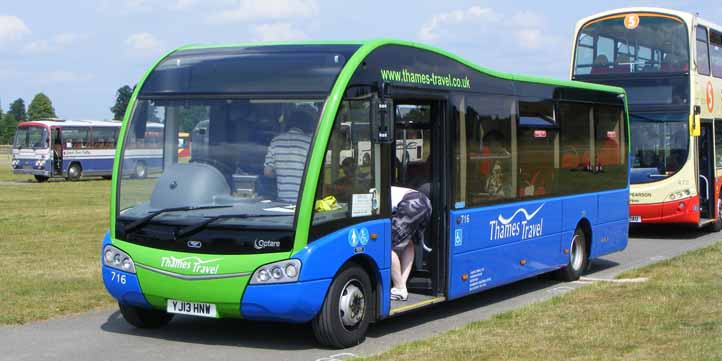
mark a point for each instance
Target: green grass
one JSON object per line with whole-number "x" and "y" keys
{"x": 676, "y": 315}
{"x": 50, "y": 238}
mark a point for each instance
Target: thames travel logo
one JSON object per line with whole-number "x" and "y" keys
{"x": 527, "y": 228}
{"x": 193, "y": 264}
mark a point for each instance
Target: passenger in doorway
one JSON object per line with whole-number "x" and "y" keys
{"x": 411, "y": 214}
{"x": 286, "y": 156}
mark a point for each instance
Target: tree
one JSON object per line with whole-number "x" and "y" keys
{"x": 17, "y": 109}
{"x": 122, "y": 98}
{"x": 9, "y": 124}
{"x": 41, "y": 107}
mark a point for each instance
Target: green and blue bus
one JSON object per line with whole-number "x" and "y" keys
{"x": 525, "y": 176}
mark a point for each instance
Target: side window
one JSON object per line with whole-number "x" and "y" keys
{"x": 702, "y": 51}
{"x": 484, "y": 170}
{"x": 715, "y": 53}
{"x": 610, "y": 146}
{"x": 718, "y": 142}
{"x": 76, "y": 138}
{"x": 575, "y": 136}
{"x": 103, "y": 138}
{"x": 347, "y": 181}
{"x": 537, "y": 140}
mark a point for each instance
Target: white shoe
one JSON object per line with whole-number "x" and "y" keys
{"x": 399, "y": 294}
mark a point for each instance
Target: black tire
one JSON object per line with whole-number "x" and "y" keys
{"x": 578, "y": 258}
{"x": 332, "y": 327}
{"x": 717, "y": 225}
{"x": 75, "y": 171}
{"x": 41, "y": 178}
{"x": 144, "y": 318}
{"x": 141, "y": 171}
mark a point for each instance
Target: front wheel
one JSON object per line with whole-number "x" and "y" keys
{"x": 144, "y": 318}
{"x": 346, "y": 311}
{"x": 578, "y": 258}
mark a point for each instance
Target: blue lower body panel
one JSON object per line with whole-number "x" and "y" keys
{"x": 124, "y": 287}
{"x": 286, "y": 302}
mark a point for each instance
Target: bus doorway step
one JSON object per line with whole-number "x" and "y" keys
{"x": 415, "y": 300}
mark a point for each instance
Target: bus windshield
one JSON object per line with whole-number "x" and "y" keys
{"x": 632, "y": 43}
{"x": 660, "y": 144}
{"x": 31, "y": 137}
{"x": 247, "y": 158}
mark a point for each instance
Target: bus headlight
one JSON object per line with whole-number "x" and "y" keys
{"x": 277, "y": 272}
{"x": 115, "y": 258}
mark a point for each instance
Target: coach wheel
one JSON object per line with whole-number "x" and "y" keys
{"x": 41, "y": 178}
{"x": 74, "y": 172}
{"x": 141, "y": 171}
{"x": 344, "y": 316}
{"x": 144, "y": 318}
{"x": 578, "y": 258}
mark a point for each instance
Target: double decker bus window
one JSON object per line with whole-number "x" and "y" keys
{"x": 702, "y": 51}
{"x": 656, "y": 44}
{"x": 715, "y": 53}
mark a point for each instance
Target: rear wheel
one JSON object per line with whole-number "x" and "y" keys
{"x": 346, "y": 311}
{"x": 74, "y": 172}
{"x": 41, "y": 178}
{"x": 144, "y": 318}
{"x": 578, "y": 258}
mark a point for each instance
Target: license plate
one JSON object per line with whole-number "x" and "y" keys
{"x": 635, "y": 219}
{"x": 192, "y": 308}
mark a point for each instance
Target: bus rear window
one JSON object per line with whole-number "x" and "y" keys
{"x": 632, "y": 43}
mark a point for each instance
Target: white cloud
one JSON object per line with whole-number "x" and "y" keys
{"x": 530, "y": 38}
{"x": 62, "y": 76}
{"x": 439, "y": 22}
{"x": 143, "y": 43}
{"x": 252, "y": 10}
{"x": 12, "y": 28}
{"x": 278, "y": 32}
{"x": 54, "y": 44}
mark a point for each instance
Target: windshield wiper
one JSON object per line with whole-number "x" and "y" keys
{"x": 193, "y": 229}
{"x": 142, "y": 221}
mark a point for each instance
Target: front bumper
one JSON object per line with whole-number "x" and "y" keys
{"x": 31, "y": 171}
{"x": 234, "y": 297}
{"x": 678, "y": 211}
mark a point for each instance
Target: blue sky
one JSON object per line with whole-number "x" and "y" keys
{"x": 80, "y": 52}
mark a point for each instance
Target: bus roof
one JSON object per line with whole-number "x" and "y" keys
{"x": 365, "y": 48}
{"x": 690, "y": 19}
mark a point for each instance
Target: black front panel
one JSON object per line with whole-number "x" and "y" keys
{"x": 213, "y": 240}
{"x": 251, "y": 70}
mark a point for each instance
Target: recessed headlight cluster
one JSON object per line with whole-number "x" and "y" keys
{"x": 277, "y": 272}
{"x": 115, "y": 258}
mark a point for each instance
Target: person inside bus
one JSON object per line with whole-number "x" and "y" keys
{"x": 601, "y": 65}
{"x": 494, "y": 170}
{"x": 286, "y": 156}
{"x": 410, "y": 216}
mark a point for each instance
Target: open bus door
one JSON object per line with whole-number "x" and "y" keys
{"x": 423, "y": 113}
{"x": 56, "y": 142}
